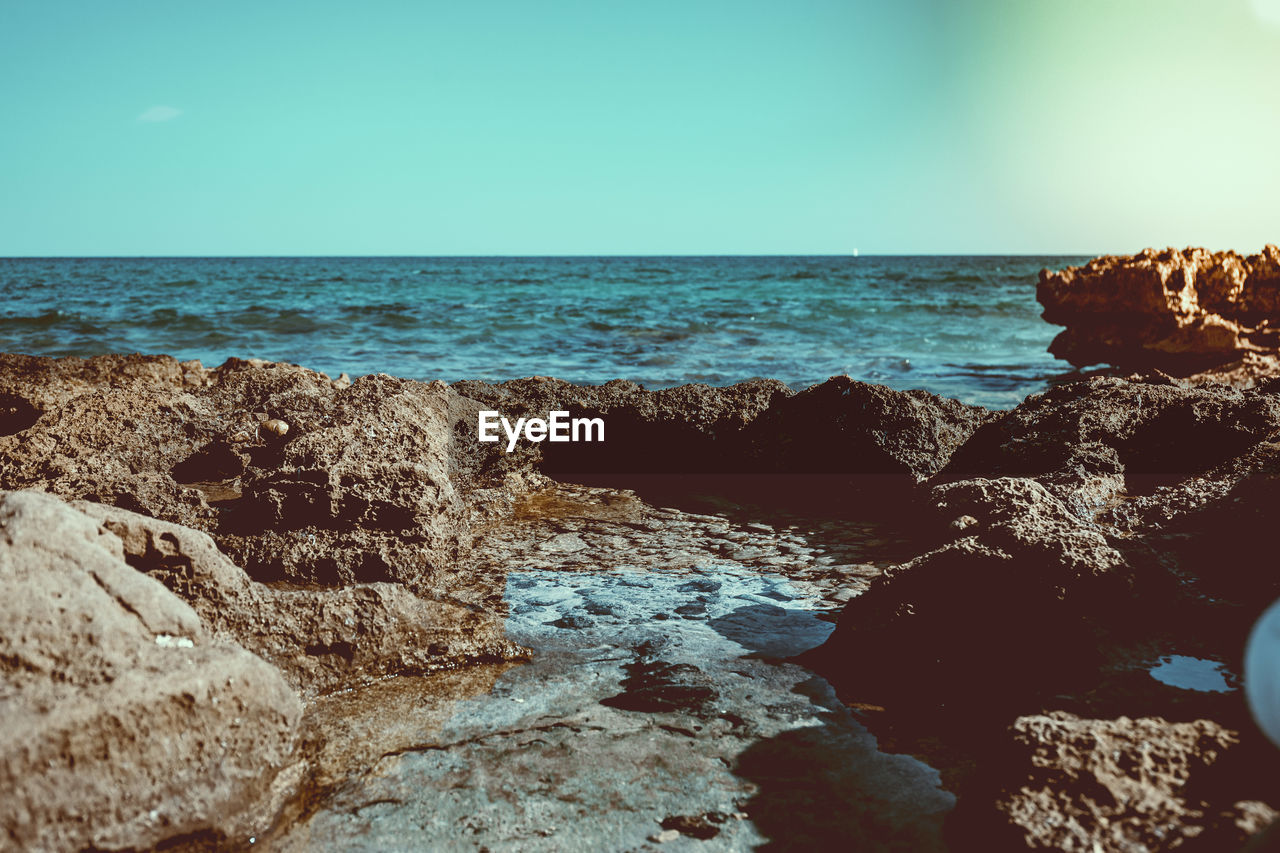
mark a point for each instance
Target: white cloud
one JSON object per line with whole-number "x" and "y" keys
{"x": 160, "y": 113}
{"x": 1267, "y": 10}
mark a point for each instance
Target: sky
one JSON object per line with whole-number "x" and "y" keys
{"x": 689, "y": 127}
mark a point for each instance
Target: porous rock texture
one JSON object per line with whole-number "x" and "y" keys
{"x": 1091, "y": 440}
{"x": 383, "y": 479}
{"x": 1082, "y": 785}
{"x": 1188, "y": 312}
{"x": 359, "y": 488}
{"x": 321, "y": 639}
{"x": 125, "y": 722}
{"x": 1061, "y": 545}
{"x": 1093, "y": 528}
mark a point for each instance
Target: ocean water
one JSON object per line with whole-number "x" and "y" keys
{"x": 964, "y": 327}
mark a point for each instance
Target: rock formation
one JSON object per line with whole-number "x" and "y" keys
{"x": 383, "y": 479}
{"x": 1021, "y": 566}
{"x": 840, "y": 426}
{"x": 1091, "y": 524}
{"x": 320, "y": 639}
{"x": 199, "y": 556}
{"x": 1188, "y": 313}
{"x": 1082, "y": 785}
{"x": 126, "y": 723}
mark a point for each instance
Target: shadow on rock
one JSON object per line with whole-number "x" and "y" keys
{"x": 654, "y": 685}
{"x": 771, "y": 631}
{"x": 828, "y": 787}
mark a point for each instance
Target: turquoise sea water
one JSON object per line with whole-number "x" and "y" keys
{"x": 966, "y": 327}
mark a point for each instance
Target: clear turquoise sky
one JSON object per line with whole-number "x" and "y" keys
{"x": 795, "y": 126}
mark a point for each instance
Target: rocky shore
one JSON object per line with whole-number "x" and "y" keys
{"x": 1192, "y": 313}
{"x": 251, "y": 605}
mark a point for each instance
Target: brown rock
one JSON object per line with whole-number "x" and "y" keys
{"x": 845, "y": 426}
{"x": 368, "y": 483}
{"x": 359, "y": 492}
{"x": 320, "y": 639}
{"x": 1186, "y": 312}
{"x": 840, "y": 426}
{"x": 689, "y": 429}
{"x": 125, "y": 722}
{"x": 1088, "y": 442}
{"x": 989, "y": 619}
{"x": 1122, "y": 784}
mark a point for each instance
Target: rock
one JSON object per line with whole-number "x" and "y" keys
{"x": 839, "y": 426}
{"x": 941, "y": 627}
{"x": 384, "y": 479}
{"x": 320, "y": 639}
{"x": 1087, "y": 442}
{"x": 703, "y": 827}
{"x": 126, "y": 723}
{"x": 845, "y": 426}
{"x": 366, "y": 482}
{"x": 1212, "y": 534}
{"x": 1125, "y": 784}
{"x": 362, "y": 493}
{"x": 1184, "y": 312}
{"x": 690, "y": 429}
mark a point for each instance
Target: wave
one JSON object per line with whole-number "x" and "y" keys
{"x": 799, "y": 275}
{"x": 595, "y": 319}
{"x": 373, "y": 310}
{"x": 45, "y": 320}
{"x": 172, "y": 319}
{"x": 54, "y": 319}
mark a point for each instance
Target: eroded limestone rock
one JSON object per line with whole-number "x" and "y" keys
{"x": 1186, "y": 312}
{"x": 1124, "y": 784}
{"x": 125, "y": 722}
{"x": 321, "y": 639}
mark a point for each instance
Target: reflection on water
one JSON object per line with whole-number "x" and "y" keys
{"x": 1191, "y": 673}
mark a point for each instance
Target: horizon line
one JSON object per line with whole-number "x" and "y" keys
{"x": 499, "y": 256}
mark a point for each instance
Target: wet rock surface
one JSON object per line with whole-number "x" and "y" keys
{"x": 744, "y": 620}
{"x": 633, "y": 720}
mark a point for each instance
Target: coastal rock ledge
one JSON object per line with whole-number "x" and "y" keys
{"x": 1190, "y": 313}
{"x": 217, "y": 633}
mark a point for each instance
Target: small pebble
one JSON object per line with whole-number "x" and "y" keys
{"x": 275, "y": 427}
{"x": 964, "y": 522}
{"x": 665, "y": 836}
{"x": 241, "y": 437}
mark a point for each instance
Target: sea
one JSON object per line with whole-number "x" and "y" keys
{"x": 966, "y": 327}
